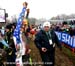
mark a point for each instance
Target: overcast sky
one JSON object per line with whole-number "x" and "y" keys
{"x": 40, "y": 8}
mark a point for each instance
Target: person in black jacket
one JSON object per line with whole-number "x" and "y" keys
{"x": 45, "y": 41}
{"x": 10, "y": 51}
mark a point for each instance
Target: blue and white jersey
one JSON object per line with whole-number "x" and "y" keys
{"x": 16, "y": 33}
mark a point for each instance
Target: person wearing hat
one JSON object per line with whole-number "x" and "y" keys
{"x": 45, "y": 41}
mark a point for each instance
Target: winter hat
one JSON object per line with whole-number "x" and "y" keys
{"x": 47, "y": 24}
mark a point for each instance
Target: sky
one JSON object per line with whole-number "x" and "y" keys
{"x": 39, "y": 8}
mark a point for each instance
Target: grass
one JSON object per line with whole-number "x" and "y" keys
{"x": 35, "y": 55}
{"x": 70, "y": 54}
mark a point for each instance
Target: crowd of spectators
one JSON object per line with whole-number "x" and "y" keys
{"x": 65, "y": 27}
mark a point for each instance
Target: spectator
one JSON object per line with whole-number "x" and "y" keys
{"x": 65, "y": 27}
{"x": 3, "y": 41}
{"x": 45, "y": 41}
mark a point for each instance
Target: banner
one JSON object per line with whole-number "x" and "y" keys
{"x": 66, "y": 38}
{"x": 2, "y": 15}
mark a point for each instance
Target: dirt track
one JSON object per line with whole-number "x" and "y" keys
{"x": 61, "y": 59}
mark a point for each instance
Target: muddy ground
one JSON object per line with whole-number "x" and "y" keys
{"x": 60, "y": 58}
